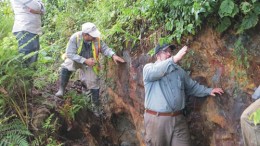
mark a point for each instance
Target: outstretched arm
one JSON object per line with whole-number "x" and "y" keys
{"x": 180, "y": 54}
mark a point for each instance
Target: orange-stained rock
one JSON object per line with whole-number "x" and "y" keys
{"x": 212, "y": 121}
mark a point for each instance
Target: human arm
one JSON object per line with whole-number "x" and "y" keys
{"x": 194, "y": 88}
{"x": 34, "y": 6}
{"x": 180, "y": 54}
{"x": 105, "y": 50}
{"x": 109, "y": 52}
{"x": 157, "y": 70}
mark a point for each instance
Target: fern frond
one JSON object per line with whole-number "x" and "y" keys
{"x": 18, "y": 140}
{"x": 14, "y": 133}
{"x": 14, "y": 127}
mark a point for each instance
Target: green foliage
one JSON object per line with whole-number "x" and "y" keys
{"x": 74, "y": 102}
{"x": 255, "y": 116}
{"x": 14, "y": 133}
{"x": 6, "y": 19}
{"x": 248, "y": 21}
{"x": 243, "y": 14}
{"x": 47, "y": 135}
{"x": 48, "y": 126}
{"x": 245, "y": 7}
{"x": 227, "y": 8}
{"x": 256, "y": 8}
{"x": 186, "y": 62}
{"x": 14, "y": 77}
{"x": 181, "y": 17}
{"x": 2, "y": 105}
{"x": 224, "y": 24}
{"x": 241, "y": 65}
{"x": 240, "y": 53}
{"x": 151, "y": 52}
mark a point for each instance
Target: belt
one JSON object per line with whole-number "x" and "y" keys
{"x": 171, "y": 114}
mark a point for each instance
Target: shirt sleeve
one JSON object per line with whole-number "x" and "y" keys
{"x": 71, "y": 50}
{"x": 33, "y": 4}
{"x": 155, "y": 71}
{"x": 105, "y": 50}
{"x": 194, "y": 88}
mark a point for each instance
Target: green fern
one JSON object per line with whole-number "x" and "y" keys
{"x": 47, "y": 135}
{"x": 14, "y": 133}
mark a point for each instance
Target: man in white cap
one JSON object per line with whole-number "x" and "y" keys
{"x": 82, "y": 53}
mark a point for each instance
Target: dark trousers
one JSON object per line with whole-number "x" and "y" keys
{"x": 28, "y": 43}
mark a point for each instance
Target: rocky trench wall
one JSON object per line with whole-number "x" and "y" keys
{"x": 213, "y": 121}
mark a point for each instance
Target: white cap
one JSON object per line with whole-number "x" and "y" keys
{"x": 91, "y": 29}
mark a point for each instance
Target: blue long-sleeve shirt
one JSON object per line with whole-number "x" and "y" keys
{"x": 166, "y": 85}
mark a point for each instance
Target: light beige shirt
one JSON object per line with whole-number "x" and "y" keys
{"x": 24, "y": 19}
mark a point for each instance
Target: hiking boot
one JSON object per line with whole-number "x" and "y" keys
{"x": 64, "y": 79}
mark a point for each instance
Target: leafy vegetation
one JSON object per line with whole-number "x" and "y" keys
{"x": 6, "y": 19}
{"x": 47, "y": 135}
{"x": 73, "y": 104}
{"x": 13, "y": 133}
{"x": 255, "y": 116}
{"x": 14, "y": 78}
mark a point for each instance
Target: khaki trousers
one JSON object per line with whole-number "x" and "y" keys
{"x": 166, "y": 130}
{"x": 86, "y": 74}
{"x": 250, "y": 132}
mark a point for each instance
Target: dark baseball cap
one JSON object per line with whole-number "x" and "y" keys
{"x": 162, "y": 47}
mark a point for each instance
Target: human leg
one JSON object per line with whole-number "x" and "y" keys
{"x": 91, "y": 81}
{"x": 68, "y": 66}
{"x": 165, "y": 130}
{"x": 64, "y": 79}
{"x": 95, "y": 96}
{"x": 28, "y": 43}
{"x": 181, "y": 134}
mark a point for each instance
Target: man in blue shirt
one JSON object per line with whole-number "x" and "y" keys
{"x": 166, "y": 85}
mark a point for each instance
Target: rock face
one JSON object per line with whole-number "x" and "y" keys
{"x": 214, "y": 60}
